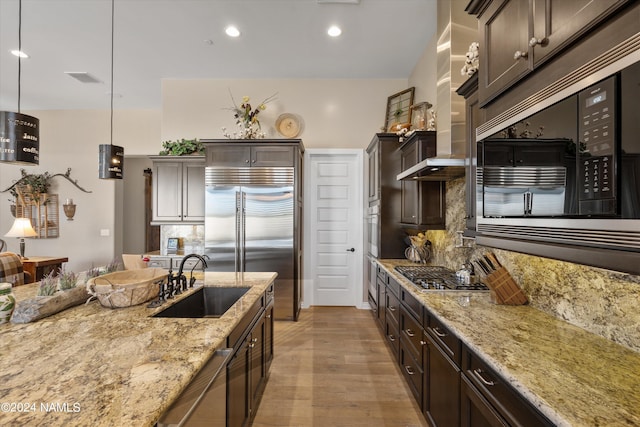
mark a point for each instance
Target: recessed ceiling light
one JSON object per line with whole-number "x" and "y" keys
{"x": 19, "y": 53}
{"x": 334, "y": 31}
{"x": 232, "y": 31}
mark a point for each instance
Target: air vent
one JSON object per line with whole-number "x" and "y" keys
{"x": 338, "y": 1}
{"x": 82, "y": 76}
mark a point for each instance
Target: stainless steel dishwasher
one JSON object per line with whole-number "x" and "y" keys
{"x": 204, "y": 401}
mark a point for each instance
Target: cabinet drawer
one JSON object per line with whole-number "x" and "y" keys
{"x": 507, "y": 401}
{"x": 392, "y": 335}
{"x": 412, "y": 372}
{"x": 393, "y": 306}
{"x": 160, "y": 263}
{"x": 382, "y": 274}
{"x": 412, "y": 305}
{"x": 241, "y": 328}
{"x": 449, "y": 343}
{"x": 411, "y": 333}
{"x": 394, "y": 286}
{"x": 188, "y": 264}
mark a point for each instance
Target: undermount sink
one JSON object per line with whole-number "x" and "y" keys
{"x": 209, "y": 301}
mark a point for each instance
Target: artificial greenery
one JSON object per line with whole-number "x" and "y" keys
{"x": 182, "y": 147}
{"x": 48, "y": 285}
{"x": 32, "y": 185}
{"x": 67, "y": 280}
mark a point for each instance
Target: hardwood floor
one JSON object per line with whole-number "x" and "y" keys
{"x": 333, "y": 368}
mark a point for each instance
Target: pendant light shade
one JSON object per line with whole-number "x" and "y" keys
{"x": 111, "y": 157}
{"x": 111, "y": 161}
{"x": 19, "y": 133}
{"x": 19, "y": 138}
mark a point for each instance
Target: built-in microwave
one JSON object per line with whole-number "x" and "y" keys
{"x": 566, "y": 170}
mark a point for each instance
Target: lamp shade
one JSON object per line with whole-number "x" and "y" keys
{"x": 21, "y": 228}
{"x": 19, "y": 138}
{"x": 111, "y": 161}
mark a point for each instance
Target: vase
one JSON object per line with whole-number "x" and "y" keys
{"x": 7, "y": 302}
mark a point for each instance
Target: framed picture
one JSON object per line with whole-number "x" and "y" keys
{"x": 172, "y": 244}
{"x": 399, "y": 110}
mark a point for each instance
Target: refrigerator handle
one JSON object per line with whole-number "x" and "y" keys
{"x": 238, "y": 225}
{"x": 243, "y": 242}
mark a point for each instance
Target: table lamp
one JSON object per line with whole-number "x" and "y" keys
{"x": 21, "y": 228}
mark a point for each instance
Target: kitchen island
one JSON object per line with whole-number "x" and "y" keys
{"x": 573, "y": 377}
{"x": 91, "y": 365}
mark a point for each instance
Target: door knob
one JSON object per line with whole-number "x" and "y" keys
{"x": 351, "y": 250}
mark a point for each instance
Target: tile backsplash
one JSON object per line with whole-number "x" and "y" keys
{"x": 191, "y": 237}
{"x": 600, "y": 301}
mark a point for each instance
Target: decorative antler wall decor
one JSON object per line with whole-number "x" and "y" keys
{"x": 26, "y": 177}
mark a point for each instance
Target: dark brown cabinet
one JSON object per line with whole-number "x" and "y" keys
{"x": 487, "y": 400}
{"x": 422, "y": 202}
{"x": 248, "y": 368}
{"x": 392, "y": 328}
{"x": 441, "y": 405}
{"x": 473, "y": 118}
{"x": 518, "y": 36}
{"x": 386, "y": 236}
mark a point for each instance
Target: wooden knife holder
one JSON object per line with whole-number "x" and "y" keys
{"x": 505, "y": 289}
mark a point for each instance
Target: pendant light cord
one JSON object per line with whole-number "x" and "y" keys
{"x": 112, "y": 31}
{"x": 19, "y": 49}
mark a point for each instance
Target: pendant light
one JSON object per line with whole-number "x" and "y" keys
{"x": 19, "y": 133}
{"x": 111, "y": 157}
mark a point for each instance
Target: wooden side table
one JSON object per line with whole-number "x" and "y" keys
{"x": 40, "y": 266}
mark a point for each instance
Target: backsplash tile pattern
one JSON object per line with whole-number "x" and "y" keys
{"x": 600, "y": 301}
{"x": 192, "y": 237}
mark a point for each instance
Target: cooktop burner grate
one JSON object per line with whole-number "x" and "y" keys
{"x": 436, "y": 277}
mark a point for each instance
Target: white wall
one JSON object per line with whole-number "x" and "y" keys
{"x": 424, "y": 75}
{"x": 336, "y": 113}
{"x": 70, "y": 139}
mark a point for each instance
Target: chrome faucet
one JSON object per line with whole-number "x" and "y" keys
{"x": 181, "y": 279}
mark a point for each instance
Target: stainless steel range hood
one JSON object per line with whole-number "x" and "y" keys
{"x": 435, "y": 169}
{"x": 456, "y": 31}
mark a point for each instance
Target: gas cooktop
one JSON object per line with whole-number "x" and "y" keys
{"x": 436, "y": 277}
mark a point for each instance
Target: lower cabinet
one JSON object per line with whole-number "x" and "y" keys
{"x": 452, "y": 385}
{"x": 487, "y": 400}
{"x": 248, "y": 369}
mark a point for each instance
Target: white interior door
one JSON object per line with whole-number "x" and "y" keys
{"x": 334, "y": 227}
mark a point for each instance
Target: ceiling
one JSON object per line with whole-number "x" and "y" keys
{"x": 185, "y": 39}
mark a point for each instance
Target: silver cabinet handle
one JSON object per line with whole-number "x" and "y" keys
{"x": 423, "y": 342}
{"x": 392, "y": 338}
{"x": 409, "y": 370}
{"x": 268, "y": 316}
{"x": 520, "y": 55}
{"x": 436, "y": 331}
{"x": 542, "y": 42}
{"x": 410, "y": 332}
{"x": 254, "y": 340}
{"x": 246, "y": 161}
{"x": 392, "y": 308}
{"x": 478, "y": 373}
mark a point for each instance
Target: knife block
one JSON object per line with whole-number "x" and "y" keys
{"x": 506, "y": 290}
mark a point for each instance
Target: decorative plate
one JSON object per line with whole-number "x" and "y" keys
{"x": 288, "y": 125}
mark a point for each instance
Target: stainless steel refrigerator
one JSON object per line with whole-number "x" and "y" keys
{"x": 250, "y": 226}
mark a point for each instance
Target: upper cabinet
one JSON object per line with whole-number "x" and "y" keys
{"x": 178, "y": 189}
{"x": 422, "y": 202}
{"x": 517, "y": 36}
{"x": 238, "y": 155}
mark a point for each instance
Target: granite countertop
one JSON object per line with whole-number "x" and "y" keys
{"x": 572, "y": 376}
{"x": 91, "y": 365}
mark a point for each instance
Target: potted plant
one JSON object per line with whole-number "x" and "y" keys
{"x": 182, "y": 147}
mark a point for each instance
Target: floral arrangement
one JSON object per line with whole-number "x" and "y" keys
{"x": 48, "y": 285}
{"x": 182, "y": 147}
{"x": 67, "y": 280}
{"x": 471, "y": 62}
{"x": 247, "y": 119}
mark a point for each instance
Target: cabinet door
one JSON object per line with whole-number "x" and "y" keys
{"x": 472, "y": 122}
{"x": 475, "y": 411}
{"x": 374, "y": 172}
{"x": 504, "y": 31}
{"x": 442, "y": 401}
{"x": 256, "y": 368}
{"x": 167, "y": 191}
{"x": 556, "y": 23}
{"x": 272, "y": 156}
{"x": 192, "y": 191}
{"x": 268, "y": 338}
{"x": 409, "y": 211}
{"x": 238, "y": 386}
{"x": 228, "y": 155}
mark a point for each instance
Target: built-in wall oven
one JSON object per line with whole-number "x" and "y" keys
{"x": 373, "y": 233}
{"x": 566, "y": 171}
